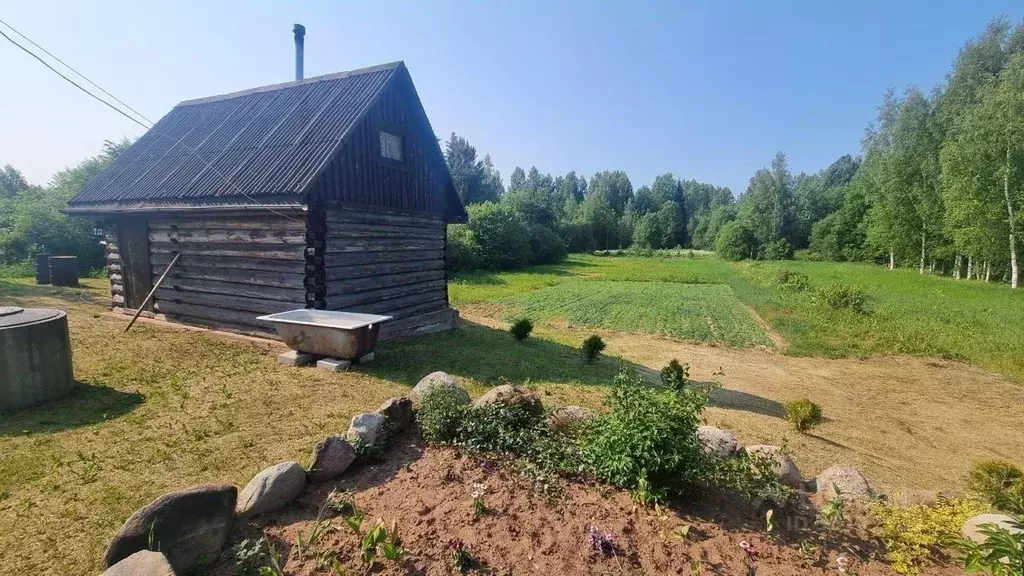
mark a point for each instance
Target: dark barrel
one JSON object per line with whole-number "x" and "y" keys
{"x": 43, "y": 269}
{"x": 64, "y": 270}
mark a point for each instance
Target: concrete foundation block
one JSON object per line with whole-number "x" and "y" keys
{"x": 295, "y": 358}
{"x": 333, "y": 364}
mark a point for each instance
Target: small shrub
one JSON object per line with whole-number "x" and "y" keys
{"x": 459, "y": 554}
{"x": 794, "y": 280}
{"x": 911, "y": 534}
{"x": 521, "y": 328}
{"x": 675, "y": 376}
{"x": 803, "y": 414}
{"x": 843, "y": 297}
{"x": 1002, "y": 552}
{"x": 249, "y": 555}
{"x": 592, "y": 347}
{"x": 648, "y": 436}
{"x": 999, "y": 483}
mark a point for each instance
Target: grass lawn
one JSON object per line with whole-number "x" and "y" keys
{"x": 160, "y": 409}
{"x": 702, "y": 312}
{"x": 908, "y": 313}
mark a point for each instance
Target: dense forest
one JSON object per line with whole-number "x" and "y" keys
{"x": 938, "y": 185}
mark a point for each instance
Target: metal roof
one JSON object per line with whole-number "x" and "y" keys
{"x": 270, "y": 141}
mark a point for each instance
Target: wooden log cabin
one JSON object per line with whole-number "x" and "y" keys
{"x": 328, "y": 192}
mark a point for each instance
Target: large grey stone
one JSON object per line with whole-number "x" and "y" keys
{"x": 272, "y": 489}
{"x": 783, "y": 464}
{"x": 331, "y": 457}
{"x": 566, "y": 419}
{"x": 718, "y": 442}
{"x": 142, "y": 563}
{"x": 366, "y": 429}
{"x": 972, "y": 527}
{"x": 850, "y": 482}
{"x": 397, "y": 412}
{"x": 435, "y": 381}
{"x": 189, "y": 527}
{"x": 511, "y": 396}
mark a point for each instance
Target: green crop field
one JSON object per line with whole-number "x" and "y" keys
{"x": 906, "y": 313}
{"x": 702, "y": 312}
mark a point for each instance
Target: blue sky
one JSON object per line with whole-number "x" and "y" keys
{"x": 705, "y": 90}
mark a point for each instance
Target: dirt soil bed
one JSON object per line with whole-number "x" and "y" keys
{"x": 427, "y": 491}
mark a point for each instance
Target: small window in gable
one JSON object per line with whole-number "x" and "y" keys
{"x": 391, "y": 146}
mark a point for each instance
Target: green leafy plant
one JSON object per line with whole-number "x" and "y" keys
{"x": 479, "y": 507}
{"x": 833, "y": 514}
{"x": 355, "y": 521}
{"x": 1000, "y": 483}
{"x": 843, "y": 297}
{"x": 273, "y": 568}
{"x": 521, "y": 329}
{"x": 751, "y": 476}
{"x": 592, "y": 346}
{"x": 648, "y": 438}
{"x": 912, "y": 533}
{"x": 305, "y": 542}
{"x": 249, "y": 555}
{"x": 675, "y": 376}
{"x": 441, "y": 415}
{"x": 1002, "y": 552}
{"x": 341, "y": 502}
{"x": 459, "y": 555}
{"x": 380, "y": 541}
{"x": 803, "y": 414}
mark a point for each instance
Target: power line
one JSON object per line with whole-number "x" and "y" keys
{"x": 150, "y": 128}
{"x": 83, "y": 76}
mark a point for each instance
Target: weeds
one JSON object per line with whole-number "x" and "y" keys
{"x": 380, "y": 541}
{"x": 843, "y": 297}
{"x": 249, "y": 555}
{"x": 342, "y": 503}
{"x": 604, "y": 543}
{"x": 833, "y": 514}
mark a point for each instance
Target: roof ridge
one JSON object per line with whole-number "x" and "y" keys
{"x": 294, "y": 83}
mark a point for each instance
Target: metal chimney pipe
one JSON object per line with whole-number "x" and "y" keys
{"x": 300, "y": 32}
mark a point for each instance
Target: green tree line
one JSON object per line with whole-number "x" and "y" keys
{"x": 938, "y": 185}
{"x": 31, "y": 221}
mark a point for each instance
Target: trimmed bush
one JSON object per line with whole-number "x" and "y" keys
{"x": 736, "y": 241}
{"x": 648, "y": 439}
{"x": 803, "y": 414}
{"x": 843, "y": 297}
{"x": 521, "y": 328}
{"x": 592, "y": 347}
{"x": 675, "y": 376}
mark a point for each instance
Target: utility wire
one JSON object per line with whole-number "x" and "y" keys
{"x": 177, "y": 141}
{"x": 69, "y": 67}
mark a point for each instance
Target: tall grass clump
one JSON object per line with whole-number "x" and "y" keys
{"x": 843, "y": 297}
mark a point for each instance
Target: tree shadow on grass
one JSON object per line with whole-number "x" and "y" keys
{"x": 489, "y": 356}
{"x": 737, "y": 400}
{"x": 86, "y": 405}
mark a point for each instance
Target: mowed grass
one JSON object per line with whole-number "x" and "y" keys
{"x": 160, "y": 409}
{"x": 701, "y": 312}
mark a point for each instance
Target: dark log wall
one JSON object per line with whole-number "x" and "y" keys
{"x": 387, "y": 263}
{"x": 232, "y": 268}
